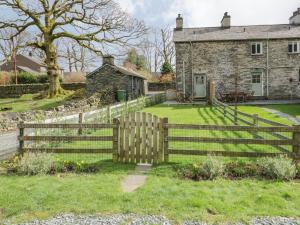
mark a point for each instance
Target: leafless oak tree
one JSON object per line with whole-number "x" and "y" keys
{"x": 92, "y": 24}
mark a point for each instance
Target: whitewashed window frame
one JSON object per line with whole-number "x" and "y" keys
{"x": 256, "y": 48}
{"x": 293, "y": 44}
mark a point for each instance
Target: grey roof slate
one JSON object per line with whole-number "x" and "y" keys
{"x": 253, "y": 32}
{"x": 121, "y": 69}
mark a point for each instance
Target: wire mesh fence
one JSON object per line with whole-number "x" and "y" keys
{"x": 190, "y": 142}
{"x": 71, "y": 142}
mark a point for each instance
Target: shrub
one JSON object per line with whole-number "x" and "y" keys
{"x": 5, "y": 78}
{"x": 241, "y": 169}
{"x": 25, "y": 78}
{"x": 43, "y": 78}
{"x": 211, "y": 168}
{"x": 281, "y": 168}
{"x": 36, "y": 163}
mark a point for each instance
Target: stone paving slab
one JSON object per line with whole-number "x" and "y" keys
{"x": 137, "y": 179}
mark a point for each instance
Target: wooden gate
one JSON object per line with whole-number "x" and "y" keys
{"x": 141, "y": 138}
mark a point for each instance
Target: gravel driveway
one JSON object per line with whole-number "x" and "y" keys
{"x": 70, "y": 219}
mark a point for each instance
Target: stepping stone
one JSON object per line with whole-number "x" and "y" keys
{"x": 136, "y": 180}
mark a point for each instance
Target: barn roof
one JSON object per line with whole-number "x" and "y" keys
{"x": 253, "y": 32}
{"x": 120, "y": 69}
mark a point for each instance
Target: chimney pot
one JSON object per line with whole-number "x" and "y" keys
{"x": 108, "y": 59}
{"x": 295, "y": 18}
{"x": 179, "y": 22}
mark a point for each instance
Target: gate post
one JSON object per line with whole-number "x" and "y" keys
{"x": 21, "y": 136}
{"x": 296, "y": 143}
{"x": 116, "y": 140}
{"x": 80, "y": 121}
{"x": 165, "y": 140}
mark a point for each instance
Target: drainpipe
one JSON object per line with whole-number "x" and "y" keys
{"x": 267, "y": 65}
{"x": 183, "y": 78}
{"x": 192, "y": 68}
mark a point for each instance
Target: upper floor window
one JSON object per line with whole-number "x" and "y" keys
{"x": 256, "y": 48}
{"x": 294, "y": 47}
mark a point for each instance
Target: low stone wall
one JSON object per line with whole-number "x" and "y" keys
{"x": 15, "y": 91}
{"x": 161, "y": 86}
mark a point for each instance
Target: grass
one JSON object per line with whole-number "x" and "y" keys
{"x": 28, "y": 102}
{"x": 293, "y": 110}
{"x": 38, "y": 197}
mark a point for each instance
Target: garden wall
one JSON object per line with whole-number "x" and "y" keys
{"x": 161, "y": 86}
{"x": 14, "y": 91}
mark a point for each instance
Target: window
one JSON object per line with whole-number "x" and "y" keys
{"x": 256, "y": 48}
{"x": 294, "y": 47}
{"x": 256, "y": 77}
{"x": 299, "y": 75}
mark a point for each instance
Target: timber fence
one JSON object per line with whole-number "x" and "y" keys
{"x": 145, "y": 138}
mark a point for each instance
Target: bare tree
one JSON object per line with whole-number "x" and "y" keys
{"x": 167, "y": 49}
{"x": 92, "y": 24}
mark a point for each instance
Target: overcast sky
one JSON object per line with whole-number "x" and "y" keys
{"x": 198, "y": 13}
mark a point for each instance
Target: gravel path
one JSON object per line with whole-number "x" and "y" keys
{"x": 69, "y": 219}
{"x": 293, "y": 119}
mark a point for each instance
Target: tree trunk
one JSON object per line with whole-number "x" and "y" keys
{"x": 53, "y": 71}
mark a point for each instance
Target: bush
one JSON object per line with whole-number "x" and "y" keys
{"x": 281, "y": 168}
{"x": 36, "y": 163}
{"x": 212, "y": 168}
{"x": 43, "y": 78}
{"x": 5, "y": 78}
{"x": 241, "y": 170}
{"x": 25, "y": 78}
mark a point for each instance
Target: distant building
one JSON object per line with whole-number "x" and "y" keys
{"x": 26, "y": 63}
{"x": 265, "y": 59}
{"x": 116, "y": 77}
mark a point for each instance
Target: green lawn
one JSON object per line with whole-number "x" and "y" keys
{"x": 27, "y": 198}
{"x": 184, "y": 114}
{"x": 27, "y": 102}
{"x": 293, "y": 110}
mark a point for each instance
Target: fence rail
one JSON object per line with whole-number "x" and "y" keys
{"x": 140, "y": 137}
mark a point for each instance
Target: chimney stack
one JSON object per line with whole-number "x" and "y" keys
{"x": 226, "y": 21}
{"x": 179, "y": 22}
{"x": 295, "y": 19}
{"x": 108, "y": 59}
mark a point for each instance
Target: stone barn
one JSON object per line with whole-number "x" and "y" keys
{"x": 111, "y": 76}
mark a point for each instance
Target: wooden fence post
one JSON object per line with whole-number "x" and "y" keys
{"x": 165, "y": 139}
{"x": 225, "y": 110}
{"x": 108, "y": 111}
{"x": 255, "y": 120}
{"x": 80, "y": 121}
{"x": 116, "y": 140}
{"x": 21, "y": 135}
{"x": 235, "y": 116}
{"x": 296, "y": 143}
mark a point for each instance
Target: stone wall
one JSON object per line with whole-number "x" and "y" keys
{"x": 161, "y": 86}
{"x": 14, "y": 91}
{"x": 222, "y": 61}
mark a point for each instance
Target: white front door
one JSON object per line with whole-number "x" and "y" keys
{"x": 257, "y": 83}
{"x": 200, "y": 85}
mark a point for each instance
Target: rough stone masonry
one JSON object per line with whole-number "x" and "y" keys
{"x": 224, "y": 53}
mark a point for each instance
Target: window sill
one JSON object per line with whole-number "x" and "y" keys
{"x": 293, "y": 53}
{"x": 257, "y": 54}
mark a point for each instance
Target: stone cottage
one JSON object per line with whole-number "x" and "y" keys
{"x": 263, "y": 59}
{"x": 111, "y": 76}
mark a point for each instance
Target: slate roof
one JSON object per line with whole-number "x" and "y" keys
{"x": 34, "y": 59}
{"x": 26, "y": 69}
{"x": 121, "y": 69}
{"x": 253, "y": 32}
